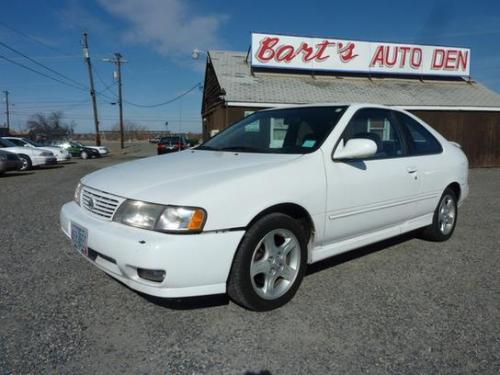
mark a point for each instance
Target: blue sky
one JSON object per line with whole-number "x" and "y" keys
{"x": 156, "y": 37}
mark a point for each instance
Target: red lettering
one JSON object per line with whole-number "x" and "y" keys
{"x": 463, "y": 57}
{"x": 394, "y": 56}
{"x": 321, "y": 50}
{"x": 438, "y": 58}
{"x": 404, "y": 51}
{"x": 416, "y": 58}
{"x": 378, "y": 57}
{"x": 285, "y": 53}
{"x": 308, "y": 52}
{"x": 346, "y": 52}
{"x": 265, "y": 52}
{"x": 451, "y": 59}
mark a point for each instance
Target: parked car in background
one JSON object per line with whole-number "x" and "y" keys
{"x": 9, "y": 162}
{"x": 172, "y": 143}
{"x": 60, "y": 153}
{"x": 77, "y": 149}
{"x": 154, "y": 139}
{"x": 30, "y": 156}
{"x": 103, "y": 150}
{"x": 245, "y": 212}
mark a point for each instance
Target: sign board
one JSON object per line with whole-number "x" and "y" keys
{"x": 340, "y": 55}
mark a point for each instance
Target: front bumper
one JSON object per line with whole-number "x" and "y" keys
{"x": 196, "y": 264}
{"x": 63, "y": 158}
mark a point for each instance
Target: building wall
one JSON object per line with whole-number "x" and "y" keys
{"x": 477, "y": 132}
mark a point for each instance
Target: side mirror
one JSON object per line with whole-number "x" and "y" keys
{"x": 356, "y": 148}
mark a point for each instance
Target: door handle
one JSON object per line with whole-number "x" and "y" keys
{"x": 411, "y": 169}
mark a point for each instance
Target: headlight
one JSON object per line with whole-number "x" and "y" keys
{"x": 170, "y": 219}
{"x": 78, "y": 192}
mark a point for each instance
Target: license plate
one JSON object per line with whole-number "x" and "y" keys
{"x": 79, "y": 236}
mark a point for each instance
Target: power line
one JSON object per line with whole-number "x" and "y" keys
{"x": 42, "y": 74}
{"x": 198, "y": 85}
{"x": 42, "y": 65}
{"x": 29, "y": 37}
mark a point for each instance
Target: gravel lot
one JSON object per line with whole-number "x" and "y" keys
{"x": 401, "y": 306}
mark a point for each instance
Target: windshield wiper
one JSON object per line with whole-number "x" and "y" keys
{"x": 206, "y": 148}
{"x": 240, "y": 148}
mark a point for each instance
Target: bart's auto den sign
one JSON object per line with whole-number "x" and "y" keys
{"x": 281, "y": 51}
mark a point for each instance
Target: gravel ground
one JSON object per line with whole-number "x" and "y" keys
{"x": 400, "y": 306}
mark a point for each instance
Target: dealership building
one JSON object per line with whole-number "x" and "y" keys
{"x": 432, "y": 82}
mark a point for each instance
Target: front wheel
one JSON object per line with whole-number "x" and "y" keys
{"x": 84, "y": 155}
{"x": 26, "y": 163}
{"x": 444, "y": 220}
{"x": 269, "y": 264}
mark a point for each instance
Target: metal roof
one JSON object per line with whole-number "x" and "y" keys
{"x": 241, "y": 86}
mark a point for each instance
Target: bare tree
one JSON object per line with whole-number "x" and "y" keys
{"x": 131, "y": 129}
{"x": 51, "y": 126}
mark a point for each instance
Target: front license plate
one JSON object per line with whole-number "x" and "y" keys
{"x": 79, "y": 236}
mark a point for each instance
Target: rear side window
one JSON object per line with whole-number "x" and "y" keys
{"x": 420, "y": 140}
{"x": 379, "y": 126}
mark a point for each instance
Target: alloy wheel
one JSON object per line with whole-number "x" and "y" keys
{"x": 275, "y": 264}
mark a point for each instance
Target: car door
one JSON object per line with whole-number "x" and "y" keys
{"x": 425, "y": 155}
{"x": 366, "y": 196}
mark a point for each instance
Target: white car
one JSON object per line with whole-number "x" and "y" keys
{"x": 60, "y": 153}
{"x": 245, "y": 212}
{"x": 31, "y": 157}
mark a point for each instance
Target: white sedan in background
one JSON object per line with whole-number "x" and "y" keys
{"x": 245, "y": 212}
{"x": 60, "y": 153}
{"x": 30, "y": 156}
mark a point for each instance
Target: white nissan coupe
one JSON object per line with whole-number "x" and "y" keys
{"x": 249, "y": 209}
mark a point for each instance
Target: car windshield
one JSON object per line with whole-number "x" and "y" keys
{"x": 284, "y": 131}
{"x": 33, "y": 143}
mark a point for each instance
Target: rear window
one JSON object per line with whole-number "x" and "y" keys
{"x": 170, "y": 140}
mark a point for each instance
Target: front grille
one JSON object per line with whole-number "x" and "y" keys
{"x": 99, "y": 203}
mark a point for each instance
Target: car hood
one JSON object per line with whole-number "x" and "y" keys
{"x": 173, "y": 176}
{"x": 53, "y": 149}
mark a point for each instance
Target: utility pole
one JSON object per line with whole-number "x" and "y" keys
{"x": 7, "y": 112}
{"x": 118, "y": 61}
{"x": 86, "y": 56}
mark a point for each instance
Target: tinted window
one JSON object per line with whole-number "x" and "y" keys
{"x": 284, "y": 131}
{"x": 17, "y": 142}
{"x": 379, "y": 126}
{"x": 171, "y": 139}
{"x": 420, "y": 140}
{"x": 6, "y": 143}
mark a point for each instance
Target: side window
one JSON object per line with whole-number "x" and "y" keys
{"x": 421, "y": 141}
{"x": 17, "y": 142}
{"x": 379, "y": 126}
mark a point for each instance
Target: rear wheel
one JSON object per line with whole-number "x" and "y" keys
{"x": 26, "y": 165}
{"x": 269, "y": 264}
{"x": 444, "y": 220}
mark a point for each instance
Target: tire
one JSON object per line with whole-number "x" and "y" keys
{"x": 26, "y": 162}
{"x": 84, "y": 155}
{"x": 444, "y": 220}
{"x": 274, "y": 251}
